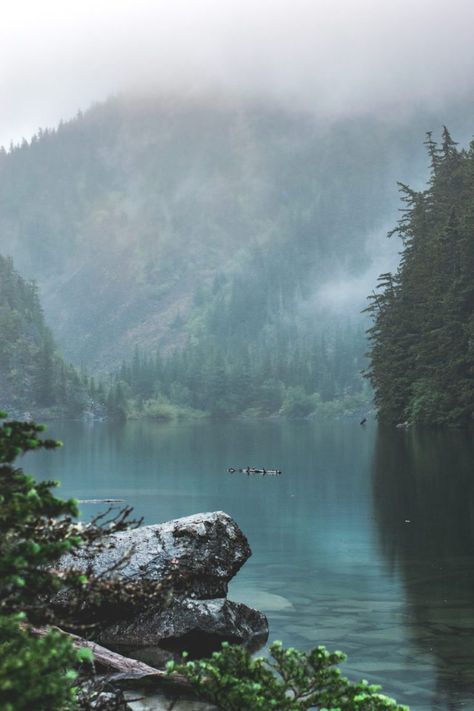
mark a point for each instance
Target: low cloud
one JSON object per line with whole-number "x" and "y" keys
{"x": 345, "y": 292}
{"x": 335, "y": 57}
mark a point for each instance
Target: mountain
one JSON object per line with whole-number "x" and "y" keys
{"x": 211, "y": 225}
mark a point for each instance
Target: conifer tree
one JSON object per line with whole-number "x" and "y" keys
{"x": 421, "y": 357}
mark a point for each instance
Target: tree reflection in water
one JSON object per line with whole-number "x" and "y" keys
{"x": 424, "y": 507}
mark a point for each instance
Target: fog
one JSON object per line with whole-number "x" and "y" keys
{"x": 345, "y": 292}
{"x": 335, "y": 58}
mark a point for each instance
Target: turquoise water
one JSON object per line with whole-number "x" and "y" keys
{"x": 364, "y": 543}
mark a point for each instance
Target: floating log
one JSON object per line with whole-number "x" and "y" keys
{"x": 101, "y": 501}
{"x": 254, "y": 470}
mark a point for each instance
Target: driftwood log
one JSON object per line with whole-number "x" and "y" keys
{"x": 124, "y": 667}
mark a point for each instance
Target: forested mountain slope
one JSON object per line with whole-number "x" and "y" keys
{"x": 422, "y": 355}
{"x": 210, "y": 224}
{"x": 32, "y": 374}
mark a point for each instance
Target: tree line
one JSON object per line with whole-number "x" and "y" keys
{"x": 422, "y": 337}
{"x": 259, "y": 356}
{"x": 279, "y": 372}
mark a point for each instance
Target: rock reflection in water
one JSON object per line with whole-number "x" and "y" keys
{"x": 424, "y": 505}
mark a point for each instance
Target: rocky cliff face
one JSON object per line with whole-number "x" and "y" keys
{"x": 207, "y": 550}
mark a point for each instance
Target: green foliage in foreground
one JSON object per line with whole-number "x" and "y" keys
{"x": 36, "y": 528}
{"x": 36, "y": 673}
{"x": 288, "y": 681}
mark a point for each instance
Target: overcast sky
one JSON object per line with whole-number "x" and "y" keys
{"x": 333, "y": 56}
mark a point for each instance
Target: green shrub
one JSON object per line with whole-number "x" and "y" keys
{"x": 288, "y": 681}
{"x": 296, "y": 403}
{"x": 35, "y": 672}
{"x": 36, "y": 527}
{"x": 165, "y": 411}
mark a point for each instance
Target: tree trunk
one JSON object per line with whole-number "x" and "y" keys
{"x": 125, "y": 667}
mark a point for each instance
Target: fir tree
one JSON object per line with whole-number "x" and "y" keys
{"x": 421, "y": 357}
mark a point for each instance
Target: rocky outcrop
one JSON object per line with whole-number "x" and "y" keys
{"x": 207, "y": 550}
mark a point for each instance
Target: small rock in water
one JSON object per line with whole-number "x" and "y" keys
{"x": 262, "y": 600}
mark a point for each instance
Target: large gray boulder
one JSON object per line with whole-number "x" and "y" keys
{"x": 209, "y": 548}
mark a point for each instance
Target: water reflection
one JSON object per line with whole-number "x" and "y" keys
{"x": 424, "y": 507}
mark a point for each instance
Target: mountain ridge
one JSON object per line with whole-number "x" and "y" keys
{"x": 127, "y": 212}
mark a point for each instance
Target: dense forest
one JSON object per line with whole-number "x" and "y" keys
{"x": 422, "y": 352}
{"x": 209, "y": 254}
{"x": 32, "y": 374}
{"x": 281, "y": 372}
{"x": 139, "y": 219}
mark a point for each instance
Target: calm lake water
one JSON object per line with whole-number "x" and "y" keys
{"x": 364, "y": 544}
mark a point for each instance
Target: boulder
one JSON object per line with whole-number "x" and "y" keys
{"x": 199, "y": 626}
{"x": 208, "y": 547}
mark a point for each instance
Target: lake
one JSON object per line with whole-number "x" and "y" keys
{"x": 364, "y": 543}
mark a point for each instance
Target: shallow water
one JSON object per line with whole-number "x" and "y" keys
{"x": 364, "y": 543}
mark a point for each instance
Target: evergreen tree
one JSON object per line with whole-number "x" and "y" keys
{"x": 32, "y": 373}
{"x": 421, "y": 358}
